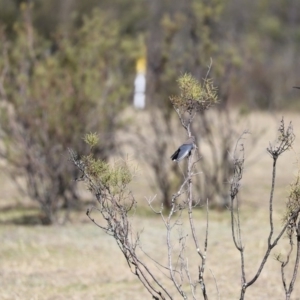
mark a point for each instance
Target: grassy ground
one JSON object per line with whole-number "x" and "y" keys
{"x": 78, "y": 261}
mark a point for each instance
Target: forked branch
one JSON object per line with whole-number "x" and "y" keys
{"x": 284, "y": 142}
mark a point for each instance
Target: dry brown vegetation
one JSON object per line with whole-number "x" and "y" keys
{"x": 79, "y": 261}
{"x": 51, "y": 68}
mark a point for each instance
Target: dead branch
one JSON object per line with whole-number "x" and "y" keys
{"x": 284, "y": 142}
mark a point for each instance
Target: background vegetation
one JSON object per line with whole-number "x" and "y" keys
{"x": 67, "y": 68}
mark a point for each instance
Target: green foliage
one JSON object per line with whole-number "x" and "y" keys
{"x": 188, "y": 34}
{"x": 108, "y": 181}
{"x": 293, "y": 200}
{"x": 91, "y": 139}
{"x": 193, "y": 95}
{"x": 50, "y": 16}
{"x": 52, "y": 97}
{"x": 97, "y": 169}
{"x": 113, "y": 178}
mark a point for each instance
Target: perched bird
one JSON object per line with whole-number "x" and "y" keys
{"x": 184, "y": 150}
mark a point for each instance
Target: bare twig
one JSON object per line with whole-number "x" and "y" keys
{"x": 284, "y": 142}
{"x": 292, "y": 230}
{"x": 296, "y": 265}
{"x": 238, "y": 161}
{"x": 213, "y": 275}
{"x": 208, "y": 69}
{"x": 114, "y": 204}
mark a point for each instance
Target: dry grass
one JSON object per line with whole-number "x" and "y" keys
{"x": 78, "y": 261}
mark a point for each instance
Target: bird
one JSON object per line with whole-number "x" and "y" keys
{"x": 296, "y": 87}
{"x": 184, "y": 150}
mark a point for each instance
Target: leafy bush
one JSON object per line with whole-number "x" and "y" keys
{"x": 54, "y": 93}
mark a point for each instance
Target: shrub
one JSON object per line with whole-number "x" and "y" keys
{"x": 54, "y": 93}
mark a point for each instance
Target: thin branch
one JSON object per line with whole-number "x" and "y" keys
{"x": 208, "y": 70}
{"x": 192, "y": 285}
{"x": 218, "y": 293}
{"x": 154, "y": 278}
{"x": 284, "y": 263}
{"x": 169, "y": 248}
{"x": 190, "y": 212}
{"x": 234, "y": 190}
{"x": 240, "y": 241}
{"x": 271, "y": 200}
{"x": 296, "y": 265}
{"x": 267, "y": 253}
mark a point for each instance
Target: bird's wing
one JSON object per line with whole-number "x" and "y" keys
{"x": 175, "y": 154}
{"x": 184, "y": 150}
